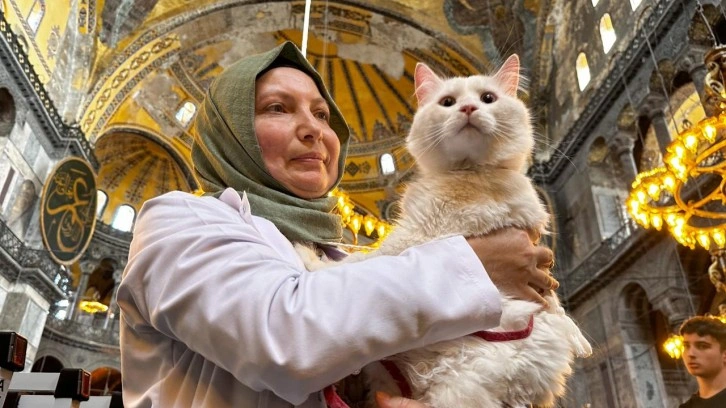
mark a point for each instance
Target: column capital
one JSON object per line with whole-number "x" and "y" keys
{"x": 654, "y": 105}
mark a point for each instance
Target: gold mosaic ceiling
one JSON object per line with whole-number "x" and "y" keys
{"x": 150, "y": 58}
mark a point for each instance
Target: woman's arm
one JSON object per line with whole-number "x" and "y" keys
{"x": 201, "y": 275}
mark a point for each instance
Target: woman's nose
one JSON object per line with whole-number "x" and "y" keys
{"x": 309, "y": 127}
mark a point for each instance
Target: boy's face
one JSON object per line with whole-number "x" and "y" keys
{"x": 703, "y": 356}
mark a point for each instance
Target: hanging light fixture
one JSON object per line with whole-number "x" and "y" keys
{"x": 370, "y": 225}
{"x": 688, "y": 195}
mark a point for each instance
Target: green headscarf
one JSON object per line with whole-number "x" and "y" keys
{"x": 226, "y": 152}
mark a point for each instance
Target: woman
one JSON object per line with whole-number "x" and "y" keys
{"x": 217, "y": 308}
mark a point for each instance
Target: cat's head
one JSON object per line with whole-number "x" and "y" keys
{"x": 470, "y": 122}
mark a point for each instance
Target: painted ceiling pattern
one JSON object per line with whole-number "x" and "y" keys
{"x": 146, "y": 57}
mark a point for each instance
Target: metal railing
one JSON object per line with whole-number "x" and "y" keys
{"x": 33, "y": 266}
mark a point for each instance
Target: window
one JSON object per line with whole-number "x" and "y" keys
{"x": 607, "y": 33}
{"x": 185, "y": 113}
{"x": 634, "y": 4}
{"x": 101, "y": 200}
{"x": 583, "y": 71}
{"x": 123, "y": 219}
{"x": 388, "y": 165}
{"x": 594, "y": 2}
{"x": 37, "y": 11}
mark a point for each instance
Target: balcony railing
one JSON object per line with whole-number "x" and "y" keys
{"x": 84, "y": 335}
{"x": 35, "y": 267}
{"x": 593, "y": 268}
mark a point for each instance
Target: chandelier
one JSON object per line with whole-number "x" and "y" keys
{"x": 373, "y": 228}
{"x": 688, "y": 195}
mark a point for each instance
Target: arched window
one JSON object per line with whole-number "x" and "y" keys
{"x": 635, "y": 3}
{"x": 388, "y": 164}
{"x": 123, "y": 219}
{"x": 607, "y": 33}
{"x": 37, "y": 11}
{"x": 185, "y": 113}
{"x": 101, "y": 201}
{"x": 594, "y": 2}
{"x": 583, "y": 71}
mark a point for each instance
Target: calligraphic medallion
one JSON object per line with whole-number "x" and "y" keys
{"x": 68, "y": 210}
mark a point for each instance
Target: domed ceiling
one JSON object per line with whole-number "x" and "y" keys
{"x": 151, "y": 58}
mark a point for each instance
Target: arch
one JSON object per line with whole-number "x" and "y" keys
{"x": 20, "y": 213}
{"x": 7, "y": 112}
{"x": 634, "y": 308}
{"x": 158, "y": 139}
{"x": 387, "y": 164}
{"x": 185, "y": 113}
{"x": 607, "y": 33}
{"x": 105, "y": 381}
{"x": 47, "y": 364}
{"x": 123, "y": 218}
{"x": 101, "y": 281}
{"x": 102, "y": 200}
{"x": 583, "y": 71}
{"x": 609, "y": 191}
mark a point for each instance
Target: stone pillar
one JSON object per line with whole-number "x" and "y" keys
{"x": 87, "y": 268}
{"x": 693, "y": 63}
{"x": 25, "y": 311}
{"x": 623, "y": 148}
{"x": 113, "y": 305}
{"x": 656, "y": 112}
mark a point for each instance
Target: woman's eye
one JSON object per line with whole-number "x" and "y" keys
{"x": 488, "y": 97}
{"x": 322, "y": 116}
{"x": 447, "y": 101}
{"x": 275, "y": 108}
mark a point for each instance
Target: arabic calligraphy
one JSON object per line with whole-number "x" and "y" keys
{"x": 68, "y": 212}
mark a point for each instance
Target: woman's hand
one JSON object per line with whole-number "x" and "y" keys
{"x": 515, "y": 264}
{"x": 386, "y": 401}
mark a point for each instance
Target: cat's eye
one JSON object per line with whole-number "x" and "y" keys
{"x": 488, "y": 97}
{"x": 447, "y": 101}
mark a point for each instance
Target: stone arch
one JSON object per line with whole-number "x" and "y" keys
{"x": 47, "y": 364}
{"x": 608, "y": 193}
{"x": 101, "y": 282}
{"x": 700, "y": 34}
{"x": 105, "y": 380}
{"x": 22, "y": 209}
{"x": 7, "y": 112}
{"x": 643, "y": 329}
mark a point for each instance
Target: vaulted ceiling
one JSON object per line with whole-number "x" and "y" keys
{"x": 133, "y": 64}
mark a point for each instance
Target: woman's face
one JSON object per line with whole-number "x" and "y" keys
{"x": 298, "y": 146}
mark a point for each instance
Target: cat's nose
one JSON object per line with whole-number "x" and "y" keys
{"x": 468, "y": 109}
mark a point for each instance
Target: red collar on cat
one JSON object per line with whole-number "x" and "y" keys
{"x": 508, "y": 335}
{"x": 405, "y": 388}
{"x": 333, "y": 400}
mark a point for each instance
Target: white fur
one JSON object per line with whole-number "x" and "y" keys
{"x": 471, "y": 182}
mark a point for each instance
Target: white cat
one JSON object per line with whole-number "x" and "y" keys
{"x": 471, "y": 138}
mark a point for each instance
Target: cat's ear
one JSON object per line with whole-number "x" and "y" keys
{"x": 508, "y": 75}
{"x": 425, "y": 81}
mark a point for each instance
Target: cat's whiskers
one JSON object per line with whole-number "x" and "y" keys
{"x": 433, "y": 138}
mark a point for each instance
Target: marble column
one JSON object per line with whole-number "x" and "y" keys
{"x": 623, "y": 147}
{"x": 660, "y": 126}
{"x": 87, "y": 268}
{"x": 113, "y": 305}
{"x": 25, "y": 311}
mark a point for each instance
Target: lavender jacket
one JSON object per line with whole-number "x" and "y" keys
{"x": 219, "y": 311}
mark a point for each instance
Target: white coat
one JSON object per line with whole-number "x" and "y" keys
{"x": 217, "y": 309}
